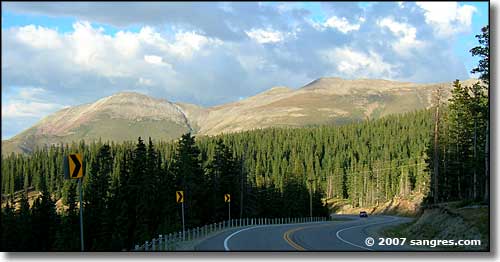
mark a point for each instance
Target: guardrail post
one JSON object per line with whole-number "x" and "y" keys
{"x": 167, "y": 243}
{"x": 160, "y": 243}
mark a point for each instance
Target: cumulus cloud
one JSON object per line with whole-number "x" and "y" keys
{"x": 28, "y": 109}
{"x": 355, "y": 64}
{"x": 448, "y": 18}
{"x": 38, "y": 37}
{"x": 407, "y": 36}
{"x": 29, "y": 102}
{"x": 263, "y": 36}
{"x": 155, "y": 60}
{"x": 342, "y": 24}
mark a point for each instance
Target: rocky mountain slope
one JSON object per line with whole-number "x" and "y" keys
{"x": 125, "y": 116}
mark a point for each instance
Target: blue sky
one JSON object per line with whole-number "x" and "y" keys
{"x": 56, "y": 55}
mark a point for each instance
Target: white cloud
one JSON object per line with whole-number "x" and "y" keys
{"x": 264, "y": 36}
{"x": 29, "y": 109}
{"x": 355, "y": 64}
{"x": 406, "y": 33}
{"x": 38, "y": 37}
{"x": 144, "y": 81}
{"x": 339, "y": 23}
{"x": 31, "y": 93}
{"x": 448, "y": 18}
{"x": 188, "y": 43}
{"x": 154, "y": 59}
{"x": 342, "y": 24}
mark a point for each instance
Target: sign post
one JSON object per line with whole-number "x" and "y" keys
{"x": 180, "y": 199}
{"x": 227, "y": 199}
{"x": 81, "y": 213}
{"x": 73, "y": 169}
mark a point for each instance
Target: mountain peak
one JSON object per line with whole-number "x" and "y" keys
{"x": 326, "y": 100}
{"x": 127, "y": 93}
{"x": 277, "y": 89}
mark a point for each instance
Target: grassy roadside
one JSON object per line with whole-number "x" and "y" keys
{"x": 446, "y": 222}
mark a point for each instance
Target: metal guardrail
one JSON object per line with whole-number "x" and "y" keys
{"x": 170, "y": 242}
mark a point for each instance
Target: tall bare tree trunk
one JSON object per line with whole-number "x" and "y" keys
{"x": 329, "y": 190}
{"x": 364, "y": 195}
{"x": 487, "y": 162}
{"x": 459, "y": 185}
{"x": 243, "y": 179}
{"x": 437, "y": 97}
{"x": 474, "y": 186}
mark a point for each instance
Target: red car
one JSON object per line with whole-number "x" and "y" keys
{"x": 363, "y": 214}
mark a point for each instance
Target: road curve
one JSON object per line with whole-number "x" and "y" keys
{"x": 348, "y": 234}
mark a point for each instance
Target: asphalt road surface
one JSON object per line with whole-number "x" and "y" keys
{"x": 349, "y": 234}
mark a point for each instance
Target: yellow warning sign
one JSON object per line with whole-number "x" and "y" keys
{"x": 180, "y": 196}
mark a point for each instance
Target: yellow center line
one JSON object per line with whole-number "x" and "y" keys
{"x": 288, "y": 239}
{"x": 288, "y": 236}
